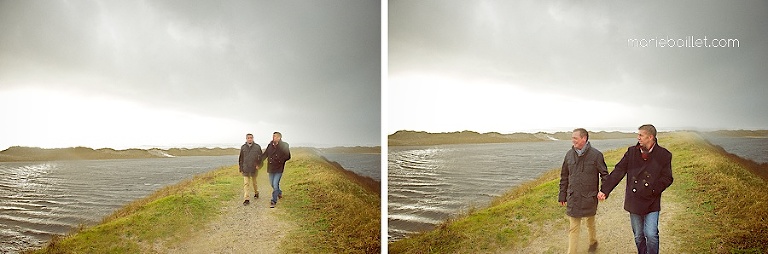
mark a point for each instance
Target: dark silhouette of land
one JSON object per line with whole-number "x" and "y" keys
{"x": 420, "y": 138}
{"x": 20, "y": 153}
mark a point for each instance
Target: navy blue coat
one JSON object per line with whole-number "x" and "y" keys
{"x": 646, "y": 179}
{"x": 276, "y": 156}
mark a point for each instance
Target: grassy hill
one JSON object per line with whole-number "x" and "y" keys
{"x": 413, "y": 138}
{"x": 420, "y": 138}
{"x": 726, "y": 209}
{"x": 596, "y": 135}
{"x": 20, "y": 153}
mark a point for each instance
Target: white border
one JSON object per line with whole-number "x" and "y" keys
{"x": 384, "y": 123}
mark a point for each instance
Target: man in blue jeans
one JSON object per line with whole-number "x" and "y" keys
{"x": 277, "y": 153}
{"x": 648, "y": 168}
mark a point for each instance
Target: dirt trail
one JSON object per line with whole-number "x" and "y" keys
{"x": 255, "y": 228}
{"x": 614, "y": 232}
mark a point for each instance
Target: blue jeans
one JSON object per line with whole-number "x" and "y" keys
{"x": 646, "y": 230}
{"x": 274, "y": 179}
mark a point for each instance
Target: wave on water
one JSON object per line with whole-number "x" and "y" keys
{"x": 40, "y": 200}
{"x": 429, "y": 184}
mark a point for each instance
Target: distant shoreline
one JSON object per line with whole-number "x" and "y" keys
{"x": 422, "y": 138}
{"x": 22, "y": 153}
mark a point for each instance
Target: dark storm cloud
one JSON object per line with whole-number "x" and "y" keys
{"x": 581, "y": 49}
{"x": 308, "y": 67}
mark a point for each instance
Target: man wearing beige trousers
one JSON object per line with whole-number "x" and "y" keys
{"x": 249, "y": 162}
{"x": 583, "y": 167}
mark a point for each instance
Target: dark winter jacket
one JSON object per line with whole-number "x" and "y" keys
{"x": 646, "y": 179}
{"x": 250, "y": 159}
{"x": 276, "y": 156}
{"x": 579, "y": 178}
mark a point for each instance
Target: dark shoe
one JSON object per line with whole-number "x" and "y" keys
{"x": 593, "y": 247}
{"x": 279, "y": 196}
{"x": 256, "y": 195}
{"x": 246, "y": 202}
{"x": 272, "y": 204}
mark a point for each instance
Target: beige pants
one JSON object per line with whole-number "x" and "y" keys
{"x": 249, "y": 181}
{"x": 575, "y": 231}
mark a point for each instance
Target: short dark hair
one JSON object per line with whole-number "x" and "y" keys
{"x": 246, "y": 135}
{"x": 582, "y": 132}
{"x": 278, "y": 134}
{"x": 649, "y": 128}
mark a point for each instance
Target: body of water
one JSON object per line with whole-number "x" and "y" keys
{"x": 755, "y": 149}
{"x": 41, "y": 199}
{"x": 430, "y": 183}
{"x": 365, "y": 164}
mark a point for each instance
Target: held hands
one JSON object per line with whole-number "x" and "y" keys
{"x": 601, "y": 196}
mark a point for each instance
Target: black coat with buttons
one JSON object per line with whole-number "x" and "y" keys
{"x": 646, "y": 178}
{"x": 579, "y": 179}
{"x": 276, "y": 155}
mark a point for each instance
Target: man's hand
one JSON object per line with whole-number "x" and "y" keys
{"x": 601, "y": 196}
{"x": 562, "y": 203}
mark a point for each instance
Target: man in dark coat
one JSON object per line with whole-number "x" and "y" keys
{"x": 249, "y": 161}
{"x": 648, "y": 168}
{"x": 277, "y": 153}
{"x": 582, "y": 168}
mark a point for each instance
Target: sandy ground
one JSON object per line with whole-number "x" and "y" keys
{"x": 614, "y": 232}
{"x": 255, "y": 228}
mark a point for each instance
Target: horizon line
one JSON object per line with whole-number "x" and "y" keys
{"x": 622, "y": 130}
{"x": 203, "y": 146}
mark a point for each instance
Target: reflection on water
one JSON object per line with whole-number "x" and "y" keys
{"x": 428, "y": 184}
{"x": 750, "y": 148}
{"x": 40, "y": 199}
{"x": 364, "y": 164}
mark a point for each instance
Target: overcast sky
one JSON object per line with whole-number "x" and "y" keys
{"x": 529, "y": 66}
{"x": 186, "y": 73}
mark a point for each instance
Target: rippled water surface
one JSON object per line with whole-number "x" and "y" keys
{"x": 40, "y": 199}
{"x": 364, "y": 164}
{"x": 755, "y": 149}
{"x": 428, "y": 184}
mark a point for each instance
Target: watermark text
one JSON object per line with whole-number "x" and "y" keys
{"x": 685, "y": 42}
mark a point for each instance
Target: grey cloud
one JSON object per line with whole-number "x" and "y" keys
{"x": 581, "y": 49}
{"x": 258, "y": 61}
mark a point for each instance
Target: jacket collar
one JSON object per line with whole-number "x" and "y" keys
{"x": 583, "y": 149}
{"x": 642, "y": 149}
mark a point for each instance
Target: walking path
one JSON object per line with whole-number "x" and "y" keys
{"x": 614, "y": 232}
{"x": 255, "y": 228}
